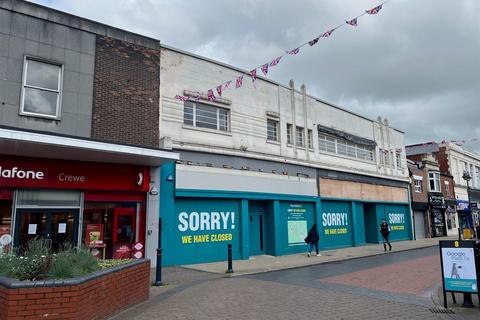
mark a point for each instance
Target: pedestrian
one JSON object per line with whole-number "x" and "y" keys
{"x": 312, "y": 240}
{"x": 385, "y": 231}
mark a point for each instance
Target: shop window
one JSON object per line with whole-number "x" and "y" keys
{"x": 206, "y": 116}
{"x": 300, "y": 136}
{"x": 50, "y": 198}
{"x": 5, "y": 222}
{"x": 41, "y": 91}
{"x": 272, "y": 130}
{"x": 110, "y": 229}
{"x": 289, "y": 133}
{"x": 434, "y": 181}
{"x": 418, "y": 185}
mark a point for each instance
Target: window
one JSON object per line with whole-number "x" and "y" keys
{"x": 399, "y": 159}
{"x": 343, "y": 147}
{"x": 447, "y": 188}
{"x": 272, "y": 130}
{"x": 434, "y": 181}
{"x": 205, "y": 116}
{"x": 477, "y": 176}
{"x": 418, "y": 185}
{"x": 289, "y": 134}
{"x": 310, "y": 138}
{"x": 41, "y": 91}
{"x": 300, "y": 136}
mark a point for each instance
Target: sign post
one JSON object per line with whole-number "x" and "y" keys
{"x": 460, "y": 269}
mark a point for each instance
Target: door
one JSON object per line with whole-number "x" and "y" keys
{"x": 124, "y": 224}
{"x": 419, "y": 224}
{"x": 58, "y": 226}
{"x": 257, "y": 233}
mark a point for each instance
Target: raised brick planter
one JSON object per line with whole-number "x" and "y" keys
{"x": 94, "y": 296}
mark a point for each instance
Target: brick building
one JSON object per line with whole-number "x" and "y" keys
{"x": 76, "y": 152}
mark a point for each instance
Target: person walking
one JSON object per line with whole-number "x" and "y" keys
{"x": 385, "y": 231}
{"x": 312, "y": 240}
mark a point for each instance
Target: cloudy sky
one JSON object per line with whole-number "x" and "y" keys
{"x": 416, "y": 63}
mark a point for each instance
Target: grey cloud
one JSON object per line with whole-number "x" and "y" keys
{"x": 415, "y": 63}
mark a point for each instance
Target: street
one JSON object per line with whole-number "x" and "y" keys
{"x": 387, "y": 286}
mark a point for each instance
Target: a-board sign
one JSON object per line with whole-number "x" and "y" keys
{"x": 460, "y": 272}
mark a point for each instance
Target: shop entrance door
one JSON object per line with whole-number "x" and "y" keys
{"x": 58, "y": 226}
{"x": 124, "y": 224}
{"x": 419, "y": 225}
{"x": 257, "y": 233}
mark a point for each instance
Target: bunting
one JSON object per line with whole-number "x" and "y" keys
{"x": 352, "y": 22}
{"x": 253, "y": 74}
{"x": 265, "y": 67}
{"x": 374, "y": 10}
{"x": 239, "y": 82}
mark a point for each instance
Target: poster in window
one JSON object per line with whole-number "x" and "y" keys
{"x": 94, "y": 235}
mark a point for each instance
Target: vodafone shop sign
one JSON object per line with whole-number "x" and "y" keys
{"x": 30, "y": 172}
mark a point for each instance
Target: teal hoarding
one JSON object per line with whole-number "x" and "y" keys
{"x": 296, "y": 219}
{"x": 398, "y": 220}
{"x": 335, "y": 225}
{"x": 200, "y": 230}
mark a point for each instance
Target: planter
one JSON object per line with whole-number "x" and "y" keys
{"x": 93, "y": 296}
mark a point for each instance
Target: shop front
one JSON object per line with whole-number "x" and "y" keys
{"x": 437, "y": 211}
{"x": 204, "y": 209}
{"x": 73, "y": 203}
{"x": 352, "y": 211}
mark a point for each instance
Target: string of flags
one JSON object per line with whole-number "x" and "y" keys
{"x": 217, "y": 92}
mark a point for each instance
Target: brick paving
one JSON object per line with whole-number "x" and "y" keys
{"x": 411, "y": 277}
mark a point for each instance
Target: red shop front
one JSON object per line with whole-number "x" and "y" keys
{"x": 99, "y": 205}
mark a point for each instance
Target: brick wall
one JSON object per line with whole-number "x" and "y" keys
{"x": 419, "y": 196}
{"x": 126, "y": 93}
{"x": 93, "y": 299}
{"x": 442, "y": 160}
{"x": 451, "y": 194}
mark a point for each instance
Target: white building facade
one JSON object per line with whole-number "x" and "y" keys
{"x": 282, "y": 158}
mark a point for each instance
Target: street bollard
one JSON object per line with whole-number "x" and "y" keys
{"x": 467, "y": 301}
{"x": 158, "y": 275}
{"x": 230, "y": 267}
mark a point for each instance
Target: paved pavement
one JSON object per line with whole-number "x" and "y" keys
{"x": 396, "y": 285}
{"x": 265, "y": 263}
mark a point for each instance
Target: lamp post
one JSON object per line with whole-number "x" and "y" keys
{"x": 467, "y": 297}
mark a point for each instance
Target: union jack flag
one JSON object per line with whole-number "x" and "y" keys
{"x": 294, "y": 51}
{"x": 265, "y": 68}
{"x": 327, "y": 34}
{"x": 181, "y": 98}
{"x": 219, "y": 90}
{"x": 210, "y": 95}
{"x": 253, "y": 74}
{"x": 374, "y": 10}
{"x": 352, "y": 22}
{"x": 239, "y": 82}
{"x": 275, "y": 61}
{"x": 229, "y": 82}
{"x": 314, "y": 41}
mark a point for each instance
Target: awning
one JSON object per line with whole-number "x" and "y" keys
{"x": 43, "y": 145}
{"x": 346, "y": 136}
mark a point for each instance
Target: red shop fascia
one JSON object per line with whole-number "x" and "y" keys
{"x": 99, "y": 182}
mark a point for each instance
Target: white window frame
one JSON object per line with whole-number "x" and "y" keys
{"x": 435, "y": 177}
{"x": 289, "y": 134}
{"x": 398, "y": 158}
{"x": 418, "y": 185}
{"x": 277, "y": 130}
{"x": 300, "y": 136}
{"x": 362, "y": 152}
{"x": 447, "y": 188}
{"x": 59, "y": 91}
{"x": 194, "y": 117}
